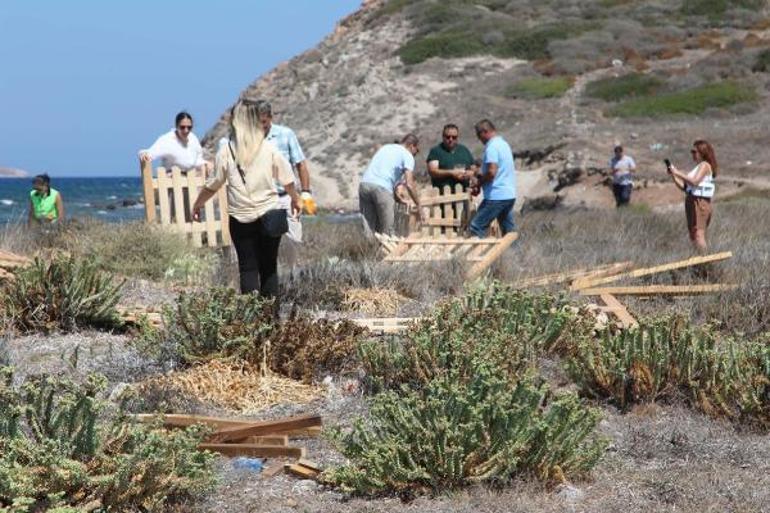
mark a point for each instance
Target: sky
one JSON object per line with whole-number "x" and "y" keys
{"x": 85, "y": 84}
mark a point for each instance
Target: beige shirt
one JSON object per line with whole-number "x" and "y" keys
{"x": 249, "y": 202}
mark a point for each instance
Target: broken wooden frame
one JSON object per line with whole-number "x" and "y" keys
{"x": 478, "y": 253}
{"x": 448, "y": 213}
{"x": 164, "y": 184}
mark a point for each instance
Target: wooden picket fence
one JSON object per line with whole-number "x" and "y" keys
{"x": 159, "y": 185}
{"x": 448, "y": 214}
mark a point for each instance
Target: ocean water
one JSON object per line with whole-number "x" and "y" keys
{"x": 109, "y": 199}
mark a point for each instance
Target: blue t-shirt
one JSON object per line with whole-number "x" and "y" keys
{"x": 503, "y": 187}
{"x": 388, "y": 166}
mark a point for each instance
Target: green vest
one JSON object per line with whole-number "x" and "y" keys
{"x": 44, "y": 207}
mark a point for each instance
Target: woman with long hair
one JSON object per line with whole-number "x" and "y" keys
{"x": 699, "y": 188}
{"x": 250, "y": 166}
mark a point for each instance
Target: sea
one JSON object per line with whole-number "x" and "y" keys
{"x": 111, "y": 199}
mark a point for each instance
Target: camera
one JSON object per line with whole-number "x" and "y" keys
{"x": 668, "y": 164}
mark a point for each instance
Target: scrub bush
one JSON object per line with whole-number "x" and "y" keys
{"x": 665, "y": 359}
{"x": 762, "y": 63}
{"x": 539, "y": 87}
{"x": 63, "y": 294}
{"x": 690, "y": 101}
{"x": 57, "y": 454}
{"x": 621, "y": 88}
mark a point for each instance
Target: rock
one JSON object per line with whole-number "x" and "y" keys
{"x": 570, "y": 494}
{"x": 128, "y": 203}
{"x": 305, "y": 486}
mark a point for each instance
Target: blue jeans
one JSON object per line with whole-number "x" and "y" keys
{"x": 622, "y": 194}
{"x": 488, "y": 211}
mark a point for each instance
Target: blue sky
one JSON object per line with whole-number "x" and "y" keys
{"x": 85, "y": 84}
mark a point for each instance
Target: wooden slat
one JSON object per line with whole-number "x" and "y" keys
{"x": 254, "y": 451}
{"x": 149, "y": 192}
{"x": 492, "y": 255}
{"x": 649, "y": 290}
{"x": 445, "y": 199}
{"x": 177, "y": 185}
{"x": 163, "y": 186}
{"x": 449, "y": 215}
{"x": 301, "y": 471}
{"x": 441, "y": 222}
{"x": 555, "y": 278}
{"x": 619, "y": 310}
{"x": 265, "y": 440}
{"x": 181, "y": 420}
{"x": 272, "y": 470}
{"x": 267, "y": 427}
{"x": 636, "y": 273}
{"x": 211, "y": 225}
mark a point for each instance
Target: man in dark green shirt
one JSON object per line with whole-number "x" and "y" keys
{"x": 450, "y": 163}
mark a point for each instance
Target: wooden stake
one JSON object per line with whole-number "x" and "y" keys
{"x": 617, "y": 308}
{"x": 301, "y": 471}
{"x": 149, "y": 192}
{"x": 254, "y": 451}
{"x": 658, "y": 269}
{"x": 492, "y": 255}
{"x": 266, "y": 427}
{"x": 651, "y": 290}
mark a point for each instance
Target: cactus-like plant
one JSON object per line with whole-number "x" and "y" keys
{"x": 63, "y": 294}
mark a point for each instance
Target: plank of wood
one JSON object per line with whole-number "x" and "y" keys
{"x": 265, "y": 427}
{"x": 181, "y": 420}
{"x": 224, "y": 222}
{"x": 650, "y": 290}
{"x": 441, "y": 221}
{"x": 300, "y": 471}
{"x": 149, "y": 192}
{"x": 619, "y": 310}
{"x": 312, "y": 465}
{"x": 254, "y": 450}
{"x": 163, "y": 186}
{"x": 13, "y": 258}
{"x": 310, "y": 432}
{"x": 561, "y": 277}
{"x": 492, "y": 255}
{"x": 427, "y": 201}
{"x": 265, "y": 440}
{"x": 646, "y": 271}
{"x": 273, "y": 470}
{"x": 581, "y": 281}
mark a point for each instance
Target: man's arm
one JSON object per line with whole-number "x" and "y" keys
{"x": 489, "y": 176}
{"x": 411, "y": 187}
{"x": 304, "y": 175}
{"x": 59, "y": 207}
{"x": 436, "y": 172}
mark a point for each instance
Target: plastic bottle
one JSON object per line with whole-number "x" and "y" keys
{"x": 245, "y": 463}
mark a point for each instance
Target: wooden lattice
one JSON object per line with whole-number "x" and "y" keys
{"x": 478, "y": 253}
{"x": 158, "y": 209}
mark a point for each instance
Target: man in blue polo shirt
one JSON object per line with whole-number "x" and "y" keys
{"x": 497, "y": 178}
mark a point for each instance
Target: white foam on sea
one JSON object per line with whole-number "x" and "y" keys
{"x": 102, "y": 212}
{"x": 112, "y": 197}
{"x": 6, "y": 202}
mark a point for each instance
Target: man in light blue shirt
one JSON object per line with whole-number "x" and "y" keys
{"x": 375, "y": 192}
{"x": 497, "y": 178}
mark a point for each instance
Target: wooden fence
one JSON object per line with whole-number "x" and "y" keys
{"x": 163, "y": 185}
{"x": 448, "y": 214}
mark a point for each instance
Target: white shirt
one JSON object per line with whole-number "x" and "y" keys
{"x": 173, "y": 152}
{"x": 621, "y": 169}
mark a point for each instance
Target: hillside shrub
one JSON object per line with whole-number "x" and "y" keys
{"x": 58, "y": 454}
{"x": 762, "y": 62}
{"x": 716, "y": 8}
{"x": 665, "y": 359}
{"x": 535, "y": 88}
{"x": 621, "y": 88}
{"x": 64, "y": 294}
{"x": 451, "y": 43}
{"x": 692, "y": 101}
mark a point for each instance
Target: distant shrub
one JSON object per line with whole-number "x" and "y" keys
{"x": 762, "y": 63}
{"x": 691, "y": 101}
{"x": 715, "y": 8}
{"x": 63, "y": 294}
{"x": 621, "y": 88}
{"x": 539, "y": 87}
{"x": 531, "y": 44}
{"x": 447, "y": 44}
{"x": 58, "y": 454}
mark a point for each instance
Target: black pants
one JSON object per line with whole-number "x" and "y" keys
{"x": 257, "y": 257}
{"x": 622, "y": 194}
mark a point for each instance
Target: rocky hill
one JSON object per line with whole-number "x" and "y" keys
{"x": 564, "y": 81}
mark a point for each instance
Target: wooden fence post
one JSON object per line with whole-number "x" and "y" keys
{"x": 149, "y": 192}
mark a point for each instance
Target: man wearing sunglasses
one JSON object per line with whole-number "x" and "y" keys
{"x": 450, "y": 163}
{"x": 497, "y": 179}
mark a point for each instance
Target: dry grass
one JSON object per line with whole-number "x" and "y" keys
{"x": 372, "y": 302}
{"x": 234, "y": 386}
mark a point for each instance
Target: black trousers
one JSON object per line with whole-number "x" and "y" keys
{"x": 257, "y": 257}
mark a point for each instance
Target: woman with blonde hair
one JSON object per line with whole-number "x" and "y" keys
{"x": 250, "y": 166}
{"x": 699, "y": 187}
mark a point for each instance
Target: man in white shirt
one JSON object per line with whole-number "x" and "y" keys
{"x": 179, "y": 147}
{"x": 622, "y": 184}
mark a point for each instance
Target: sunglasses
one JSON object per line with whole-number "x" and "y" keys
{"x": 185, "y": 127}
{"x": 451, "y": 137}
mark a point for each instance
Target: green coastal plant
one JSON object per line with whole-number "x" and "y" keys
{"x": 57, "y": 452}
{"x": 457, "y": 401}
{"x": 64, "y": 294}
{"x": 664, "y": 359}
{"x": 622, "y": 88}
